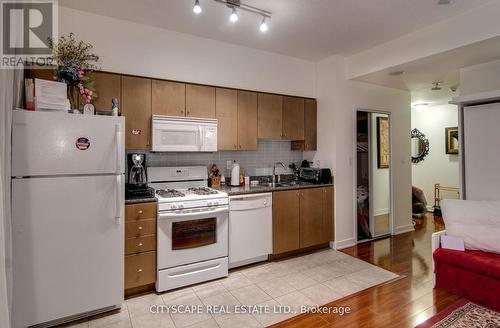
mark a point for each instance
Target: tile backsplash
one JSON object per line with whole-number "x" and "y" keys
{"x": 256, "y": 162}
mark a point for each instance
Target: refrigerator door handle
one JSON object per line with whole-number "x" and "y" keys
{"x": 118, "y": 219}
{"x": 118, "y": 135}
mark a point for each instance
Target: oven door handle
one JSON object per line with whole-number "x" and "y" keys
{"x": 174, "y": 215}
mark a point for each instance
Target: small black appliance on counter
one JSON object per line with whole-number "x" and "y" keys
{"x": 137, "y": 178}
{"x": 315, "y": 175}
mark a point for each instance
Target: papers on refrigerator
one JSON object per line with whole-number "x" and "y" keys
{"x": 51, "y": 96}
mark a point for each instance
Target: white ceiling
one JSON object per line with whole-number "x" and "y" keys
{"x": 444, "y": 67}
{"x": 308, "y": 29}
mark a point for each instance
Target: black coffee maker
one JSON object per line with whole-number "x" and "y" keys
{"x": 137, "y": 178}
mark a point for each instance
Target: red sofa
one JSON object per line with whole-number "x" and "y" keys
{"x": 474, "y": 275}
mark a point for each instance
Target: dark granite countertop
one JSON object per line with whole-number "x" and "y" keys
{"x": 140, "y": 200}
{"x": 262, "y": 188}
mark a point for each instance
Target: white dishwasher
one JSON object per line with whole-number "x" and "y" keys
{"x": 250, "y": 228}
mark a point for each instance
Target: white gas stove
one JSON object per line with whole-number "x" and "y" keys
{"x": 192, "y": 243}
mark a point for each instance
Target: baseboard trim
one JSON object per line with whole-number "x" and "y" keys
{"x": 404, "y": 229}
{"x": 344, "y": 243}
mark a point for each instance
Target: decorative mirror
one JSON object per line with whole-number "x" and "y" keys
{"x": 419, "y": 146}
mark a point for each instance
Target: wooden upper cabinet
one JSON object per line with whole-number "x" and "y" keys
{"x": 226, "y": 112}
{"x": 247, "y": 120}
{"x": 293, "y": 118}
{"x": 270, "y": 116}
{"x": 136, "y": 107}
{"x": 311, "y": 217}
{"x": 310, "y": 124}
{"x": 200, "y": 101}
{"x": 107, "y": 87}
{"x": 40, "y": 73}
{"x": 168, "y": 98}
{"x": 286, "y": 221}
{"x": 328, "y": 216}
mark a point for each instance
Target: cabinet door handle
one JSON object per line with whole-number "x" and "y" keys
{"x": 188, "y": 112}
{"x": 240, "y": 146}
{"x": 139, "y": 212}
{"x": 298, "y": 194}
{"x": 139, "y": 228}
{"x": 182, "y": 112}
{"x": 235, "y": 146}
{"x": 139, "y": 245}
{"x": 139, "y": 270}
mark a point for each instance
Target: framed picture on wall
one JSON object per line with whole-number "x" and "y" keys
{"x": 451, "y": 135}
{"x": 383, "y": 149}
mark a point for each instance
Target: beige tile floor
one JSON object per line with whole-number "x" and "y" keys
{"x": 314, "y": 279}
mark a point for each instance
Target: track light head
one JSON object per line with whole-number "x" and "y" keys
{"x": 263, "y": 26}
{"x": 197, "y": 8}
{"x": 234, "y": 16}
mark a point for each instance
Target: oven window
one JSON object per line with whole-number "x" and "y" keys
{"x": 194, "y": 233}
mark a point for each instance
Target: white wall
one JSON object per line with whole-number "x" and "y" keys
{"x": 480, "y": 78}
{"x": 136, "y": 49}
{"x": 380, "y": 184}
{"x": 338, "y": 100}
{"x": 437, "y": 167}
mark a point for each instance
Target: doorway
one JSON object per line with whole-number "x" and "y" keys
{"x": 373, "y": 175}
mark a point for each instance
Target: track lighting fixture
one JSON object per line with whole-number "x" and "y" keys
{"x": 236, "y": 5}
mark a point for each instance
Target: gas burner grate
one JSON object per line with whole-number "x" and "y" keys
{"x": 169, "y": 193}
{"x": 202, "y": 191}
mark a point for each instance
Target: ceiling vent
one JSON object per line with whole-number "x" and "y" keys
{"x": 444, "y": 2}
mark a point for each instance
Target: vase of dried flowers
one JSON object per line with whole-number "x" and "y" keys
{"x": 75, "y": 61}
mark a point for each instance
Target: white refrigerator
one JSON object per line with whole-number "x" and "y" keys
{"x": 67, "y": 216}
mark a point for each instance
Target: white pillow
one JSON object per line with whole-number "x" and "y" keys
{"x": 477, "y": 222}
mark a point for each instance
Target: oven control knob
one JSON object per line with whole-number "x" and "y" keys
{"x": 181, "y": 205}
{"x": 173, "y": 206}
{"x": 216, "y": 202}
{"x": 209, "y": 203}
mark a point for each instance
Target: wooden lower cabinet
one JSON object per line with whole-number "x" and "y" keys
{"x": 286, "y": 221}
{"x": 140, "y": 247}
{"x": 328, "y": 214}
{"x": 140, "y": 269}
{"x": 311, "y": 217}
{"x": 302, "y": 218}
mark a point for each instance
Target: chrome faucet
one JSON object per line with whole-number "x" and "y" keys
{"x": 274, "y": 172}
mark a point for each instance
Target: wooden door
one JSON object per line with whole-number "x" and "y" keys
{"x": 293, "y": 118}
{"x": 285, "y": 221}
{"x": 107, "y": 86}
{"x": 269, "y": 116}
{"x": 168, "y": 98}
{"x": 311, "y": 217}
{"x": 200, "y": 101}
{"x": 226, "y": 112}
{"x": 247, "y": 120}
{"x": 328, "y": 214}
{"x": 136, "y": 107}
{"x": 310, "y": 124}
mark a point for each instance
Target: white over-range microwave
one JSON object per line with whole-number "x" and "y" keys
{"x": 184, "y": 134}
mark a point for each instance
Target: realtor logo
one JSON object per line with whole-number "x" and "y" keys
{"x": 26, "y": 28}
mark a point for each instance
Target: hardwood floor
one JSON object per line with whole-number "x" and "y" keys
{"x": 403, "y": 303}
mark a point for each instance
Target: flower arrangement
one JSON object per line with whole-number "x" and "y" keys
{"x": 74, "y": 61}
